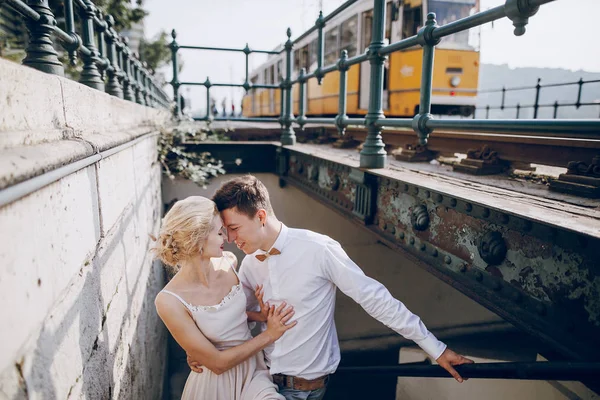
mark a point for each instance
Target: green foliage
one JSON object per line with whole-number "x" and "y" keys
{"x": 125, "y": 12}
{"x": 155, "y": 52}
{"x": 178, "y": 161}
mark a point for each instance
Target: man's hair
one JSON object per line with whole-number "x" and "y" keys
{"x": 246, "y": 193}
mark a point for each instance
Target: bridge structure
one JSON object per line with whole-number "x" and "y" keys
{"x": 525, "y": 251}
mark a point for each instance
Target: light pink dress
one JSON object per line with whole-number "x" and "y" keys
{"x": 225, "y": 325}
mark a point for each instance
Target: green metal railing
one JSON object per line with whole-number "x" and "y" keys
{"x": 536, "y": 102}
{"x": 106, "y": 55}
{"x": 373, "y": 154}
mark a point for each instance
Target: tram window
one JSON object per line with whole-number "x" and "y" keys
{"x": 296, "y": 61}
{"x": 332, "y": 46}
{"x": 313, "y": 53}
{"x": 280, "y": 72}
{"x": 367, "y": 26}
{"x": 411, "y": 21}
{"x": 349, "y": 29}
{"x": 266, "y": 76}
{"x": 446, "y": 12}
{"x": 303, "y": 58}
{"x": 272, "y": 74}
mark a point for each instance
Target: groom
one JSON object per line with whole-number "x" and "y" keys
{"x": 304, "y": 268}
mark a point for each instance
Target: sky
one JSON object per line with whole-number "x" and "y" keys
{"x": 561, "y": 35}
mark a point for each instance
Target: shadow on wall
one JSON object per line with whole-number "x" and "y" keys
{"x": 133, "y": 355}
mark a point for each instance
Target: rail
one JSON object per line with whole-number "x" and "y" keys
{"x": 110, "y": 67}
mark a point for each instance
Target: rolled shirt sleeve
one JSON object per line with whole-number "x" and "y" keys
{"x": 375, "y": 299}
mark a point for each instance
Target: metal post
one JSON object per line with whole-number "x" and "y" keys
{"x": 70, "y": 26}
{"x": 101, "y": 45}
{"x": 90, "y": 75}
{"x": 247, "y": 52}
{"x": 207, "y": 85}
{"x": 127, "y": 78}
{"x": 503, "y": 96}
{"x": 288, "y": 137}
{"x": 555, "y": 109}
{"x": 281, "y": 101}
{"x": 487, "y": 112}
{"x": 320, "y": 23}
{"x": 518, "y": 110}
{"x": 428, "y": 43}
{"x": 578, "y": 102}
{"x": 175, "y": 81}
{"x": 302, "y": 117}
{"x": 139, "y": 95}
{"x": 373, "y": 154}
{"x": 40, "y": 53}
{"x": 341, "y": 117}
{"x": 146, "y": 85}
{"x": 113, "y": 86}
{"x": 536, "y": 105}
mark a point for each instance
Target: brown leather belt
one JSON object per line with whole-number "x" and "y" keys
{"x": 293, "y": 382}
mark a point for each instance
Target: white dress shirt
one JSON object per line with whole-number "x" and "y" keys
{"x": 305, "y": 275}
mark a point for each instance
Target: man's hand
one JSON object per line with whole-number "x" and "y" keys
{"x": 450, "y": 358}
{"x": 194, "y": 365}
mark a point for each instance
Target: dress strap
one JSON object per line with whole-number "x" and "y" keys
{"x": 178, "y": 298}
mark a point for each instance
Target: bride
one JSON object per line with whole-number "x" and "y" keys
{"x": 204, "y": 307}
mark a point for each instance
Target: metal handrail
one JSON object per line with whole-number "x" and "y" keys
{"x": 541, "y": 370}
{"x": 536, "y": 104}
{"x": 373, "y": 154}
{"x": 127, "y": 77}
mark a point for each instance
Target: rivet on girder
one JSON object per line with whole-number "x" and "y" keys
{"x": 468, "y": 207}
{"x": 411, "y": 240}
{"x": 453, "y": 202}
{"x": 447, "y": 259}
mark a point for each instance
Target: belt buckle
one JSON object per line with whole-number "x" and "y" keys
{"x": 289, "y": 381}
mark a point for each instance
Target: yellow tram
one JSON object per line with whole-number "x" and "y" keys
{"x": 455, "y": 76}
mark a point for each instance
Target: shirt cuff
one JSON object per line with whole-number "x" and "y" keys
{"x": 432, "y": 346}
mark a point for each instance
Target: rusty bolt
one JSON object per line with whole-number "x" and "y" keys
{"x": 468, "y": 207}
{"x": 447, "y": 259}
{"x": 492, "y": 248}
{"x": 420, "y": 218}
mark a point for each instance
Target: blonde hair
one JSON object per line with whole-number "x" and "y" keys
{"x": 184, "y": 229}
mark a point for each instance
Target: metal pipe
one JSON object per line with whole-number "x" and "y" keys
{"x": 227, "y": 49}
{"x": 22, "y": 8}
{"x": 22, "y": 189}
{"x": 588, "y": 127}
{"x": 396, "y": 122}
{"x": 552, "y": 371}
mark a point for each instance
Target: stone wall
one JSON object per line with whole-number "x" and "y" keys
{"x": 77, "y": 282}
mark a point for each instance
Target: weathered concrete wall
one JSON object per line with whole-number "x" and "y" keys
{"x": 465, "y": 325}
{"x": 77, "y": 282}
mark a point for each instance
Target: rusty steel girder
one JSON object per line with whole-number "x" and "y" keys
{"x": 535, "y": 262}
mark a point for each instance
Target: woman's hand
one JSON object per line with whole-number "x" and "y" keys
{"x": 264, "y": 307}
{"x": 277, "y": 319}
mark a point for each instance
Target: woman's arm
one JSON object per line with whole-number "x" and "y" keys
{"x": 188, "y": 336}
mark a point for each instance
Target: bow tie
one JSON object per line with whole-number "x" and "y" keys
{"x": 272, "y": 252}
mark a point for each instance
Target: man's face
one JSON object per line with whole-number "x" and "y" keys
{"x": 242, "y": 230}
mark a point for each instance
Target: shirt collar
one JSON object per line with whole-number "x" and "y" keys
{"x": 280, "y": 241}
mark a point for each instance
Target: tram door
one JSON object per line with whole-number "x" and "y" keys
{"x": 365, "y": 67}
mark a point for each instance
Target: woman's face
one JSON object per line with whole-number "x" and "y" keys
{"x": 213, "y": 247}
